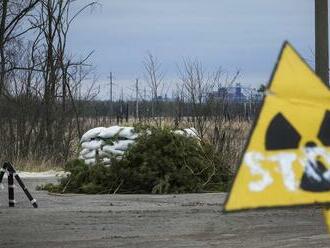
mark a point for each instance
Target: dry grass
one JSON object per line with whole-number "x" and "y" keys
{"x": 229, "y": 137}
{"x": 234, "y": 143}
{"x": 33, "y": 165}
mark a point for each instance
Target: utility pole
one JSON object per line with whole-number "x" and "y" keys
{"x": 111, "y": 86}
{"x": 122, "y": 94}
{"x": 111, "y": 96}
{"x": 137, "y": 98}
{"x": 122, "y": 101}
{"x": 322, "y": 40}
{"x": 121, "y": 105}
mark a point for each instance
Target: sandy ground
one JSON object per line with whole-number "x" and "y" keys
{"x": 194, "y": 220}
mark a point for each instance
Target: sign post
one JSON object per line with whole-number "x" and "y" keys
{"x": 322, "y": 40}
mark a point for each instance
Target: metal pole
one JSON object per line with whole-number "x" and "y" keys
{"x": 137, "y": 99}
{"x": 2, "y": 172}
{"x": 26, "y": 191}
{"x": 11, "y": 197}
{"x": 110, "y": 96}
{"x": 110, "y": 86}
{"x": 322, "y": 40}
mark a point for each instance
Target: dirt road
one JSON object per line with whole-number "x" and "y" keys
{"x": 152, "y": 221}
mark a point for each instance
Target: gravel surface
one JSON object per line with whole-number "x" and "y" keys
{"x": 190, "y": 220}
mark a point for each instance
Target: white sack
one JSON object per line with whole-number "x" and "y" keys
{"x": 109, "y": 132}
{"x": 111, "y": 150}
{"x": 93, "y": 145}
{"x": 89, "y": 155}
{"x": 106, "y": 161}
{"x": 128, "y": 133}
{"x": 91, "y": 161}
{"x": 122, "y": 145}
{"x": 180, "y": 132}
{"x": 84, "y": 151}
{"x": 191, "y": 132}
{"x": 91, "y": 134}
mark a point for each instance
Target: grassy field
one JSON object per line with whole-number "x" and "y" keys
{"x": 228, "y": 137}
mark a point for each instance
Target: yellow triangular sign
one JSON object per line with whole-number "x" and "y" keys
{"x": 287, "y": 158}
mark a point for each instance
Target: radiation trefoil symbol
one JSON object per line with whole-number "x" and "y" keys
{"x": 286, "y": 161}
{"x": 316, "y": 177}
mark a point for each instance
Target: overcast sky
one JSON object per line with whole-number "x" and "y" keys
{"x": 233, "y": 34}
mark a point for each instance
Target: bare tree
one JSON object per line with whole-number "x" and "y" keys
{"x": 13, "y": 13}
{"x": 154, "y": 76}
{"x": 196, "y": 85}
{"x": 44, "y": 79}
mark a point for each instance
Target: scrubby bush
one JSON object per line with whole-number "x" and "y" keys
{"x": 159, "y": 162}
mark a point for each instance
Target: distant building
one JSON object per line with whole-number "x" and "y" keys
{"x": 164, "y": 98}
{"x": 235, "y": 94}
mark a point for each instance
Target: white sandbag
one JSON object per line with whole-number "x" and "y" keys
{"x": 109, "y": 132}
{"x": 93, "y": 145}
{"x": 119, "y": 157}
{"x": 122, "y": 145}
{"x": 148, "y": 132}
{"x": 91, "y": 161}
{"x": 84, "y": 151}
{"x": 91, "y": 134}
{"x": 128, "y": 133}
{"x": 191, "y": 132}
{"x": 89, "y": 155}
{"x": 180, "y": 132}
{"x": 111, "y": 150}
{"x": 103, "y": 154}
{"x": 106, "y": 161}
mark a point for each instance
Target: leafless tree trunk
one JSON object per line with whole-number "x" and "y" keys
{"x": 154, "y": 76}
{"x": 38, "y": 79}
{"x": 13, "y": 13}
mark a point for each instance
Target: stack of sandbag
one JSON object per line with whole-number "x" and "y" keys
{"x": 101, "y": 144}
